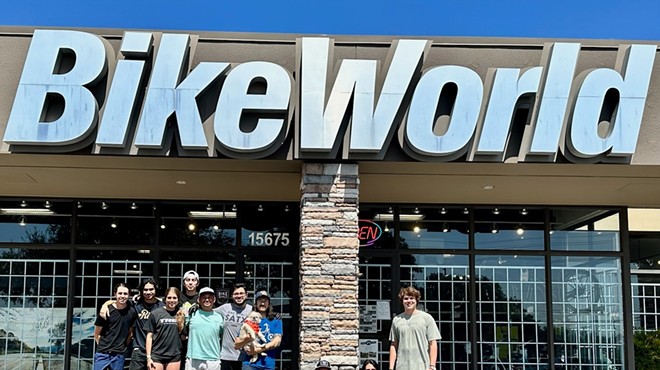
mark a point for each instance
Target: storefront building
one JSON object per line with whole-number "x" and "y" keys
{"x": 512, "y": 181}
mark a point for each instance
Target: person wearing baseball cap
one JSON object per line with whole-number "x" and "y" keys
{"x": 189, "y": 291}
{"x": 205, "y": 327}
{"x": 271, "y": 327}
{"x": 323, "y": 365}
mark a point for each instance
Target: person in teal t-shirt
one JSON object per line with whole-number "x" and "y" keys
{"x": 205, "y": 328}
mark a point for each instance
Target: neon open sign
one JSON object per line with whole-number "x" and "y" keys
{"x": 368, "y": 232}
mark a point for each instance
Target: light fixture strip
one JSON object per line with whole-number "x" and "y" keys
{"x": 215, "y": 215}
{"x": 26, "y": 211}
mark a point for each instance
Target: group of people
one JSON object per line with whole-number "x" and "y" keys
{"x": 186, "y": 328}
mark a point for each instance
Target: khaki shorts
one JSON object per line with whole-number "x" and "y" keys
{"x": 192, "y": 364}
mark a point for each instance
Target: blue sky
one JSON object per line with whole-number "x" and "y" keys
{"x": 603, "y": 19}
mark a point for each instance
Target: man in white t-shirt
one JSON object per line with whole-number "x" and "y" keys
{"x": 413, "y": 336}
{"x": 234, "y": 314}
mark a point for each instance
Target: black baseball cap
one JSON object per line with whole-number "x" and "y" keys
{"x": 261, "y": 293}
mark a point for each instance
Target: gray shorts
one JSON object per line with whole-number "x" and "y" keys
{"x": 193, "y": 364}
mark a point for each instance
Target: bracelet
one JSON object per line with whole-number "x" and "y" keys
{"x": 148, "y": 357}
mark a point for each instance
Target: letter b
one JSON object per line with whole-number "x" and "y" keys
{"x": 43, "y": 76}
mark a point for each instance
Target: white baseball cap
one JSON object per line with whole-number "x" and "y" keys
{"x": 191, "y": 273}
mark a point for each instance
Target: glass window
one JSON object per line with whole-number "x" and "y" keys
{"x": 434, "y": 228}
{"x": 376, "y": 227}
{"x": 511, "y": 311}
{"x": 203, "y": 224}
{"x": 577, "y": 229}
{"x": 645, "y": 268}
{"x": 33, "y": 308}
{"x": 587, "y": 310}
{"x": 509, "y": 228}
{"x": 269, "y": 225}
{"x": 115, "y": 223}
{"x": 443, "y": 283}
{"x": 375, "y": 290}
{"x": 215, "y": 270}
{"x": 35, "y": 222}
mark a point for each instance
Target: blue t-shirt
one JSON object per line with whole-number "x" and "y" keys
{"x": 269, "y": 328}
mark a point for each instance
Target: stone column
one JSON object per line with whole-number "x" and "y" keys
{"x": 329, "y": 314}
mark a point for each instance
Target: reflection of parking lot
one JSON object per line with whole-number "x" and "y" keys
{"x": 18, "y": 361}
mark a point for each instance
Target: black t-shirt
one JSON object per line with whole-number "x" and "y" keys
{"x": 143, "y": 311}
{"x": 166, "y": 341}
{"x": 115, "y": 329}
{"x": 188, "y": 300}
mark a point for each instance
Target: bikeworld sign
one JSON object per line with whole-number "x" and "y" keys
{"x": 75, "y": 93}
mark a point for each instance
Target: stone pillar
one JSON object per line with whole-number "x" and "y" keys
{"x": 329, "y": 314}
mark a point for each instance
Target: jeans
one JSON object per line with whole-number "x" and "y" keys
{"x": 251, "y": 367}
{"x": 103, "y": 361}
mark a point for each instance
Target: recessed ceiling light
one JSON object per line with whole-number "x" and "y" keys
{"x": 180, "y": 182}
{"x": 488, "y": 187}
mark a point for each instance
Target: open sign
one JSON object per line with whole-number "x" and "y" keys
{"x": 368, "y": 232}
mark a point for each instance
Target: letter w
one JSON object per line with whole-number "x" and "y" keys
{"x": 370, "y": 129}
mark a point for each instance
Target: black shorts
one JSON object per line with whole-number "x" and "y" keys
{"x": 165, "y": 359}
{"x": 231, "y": 365}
